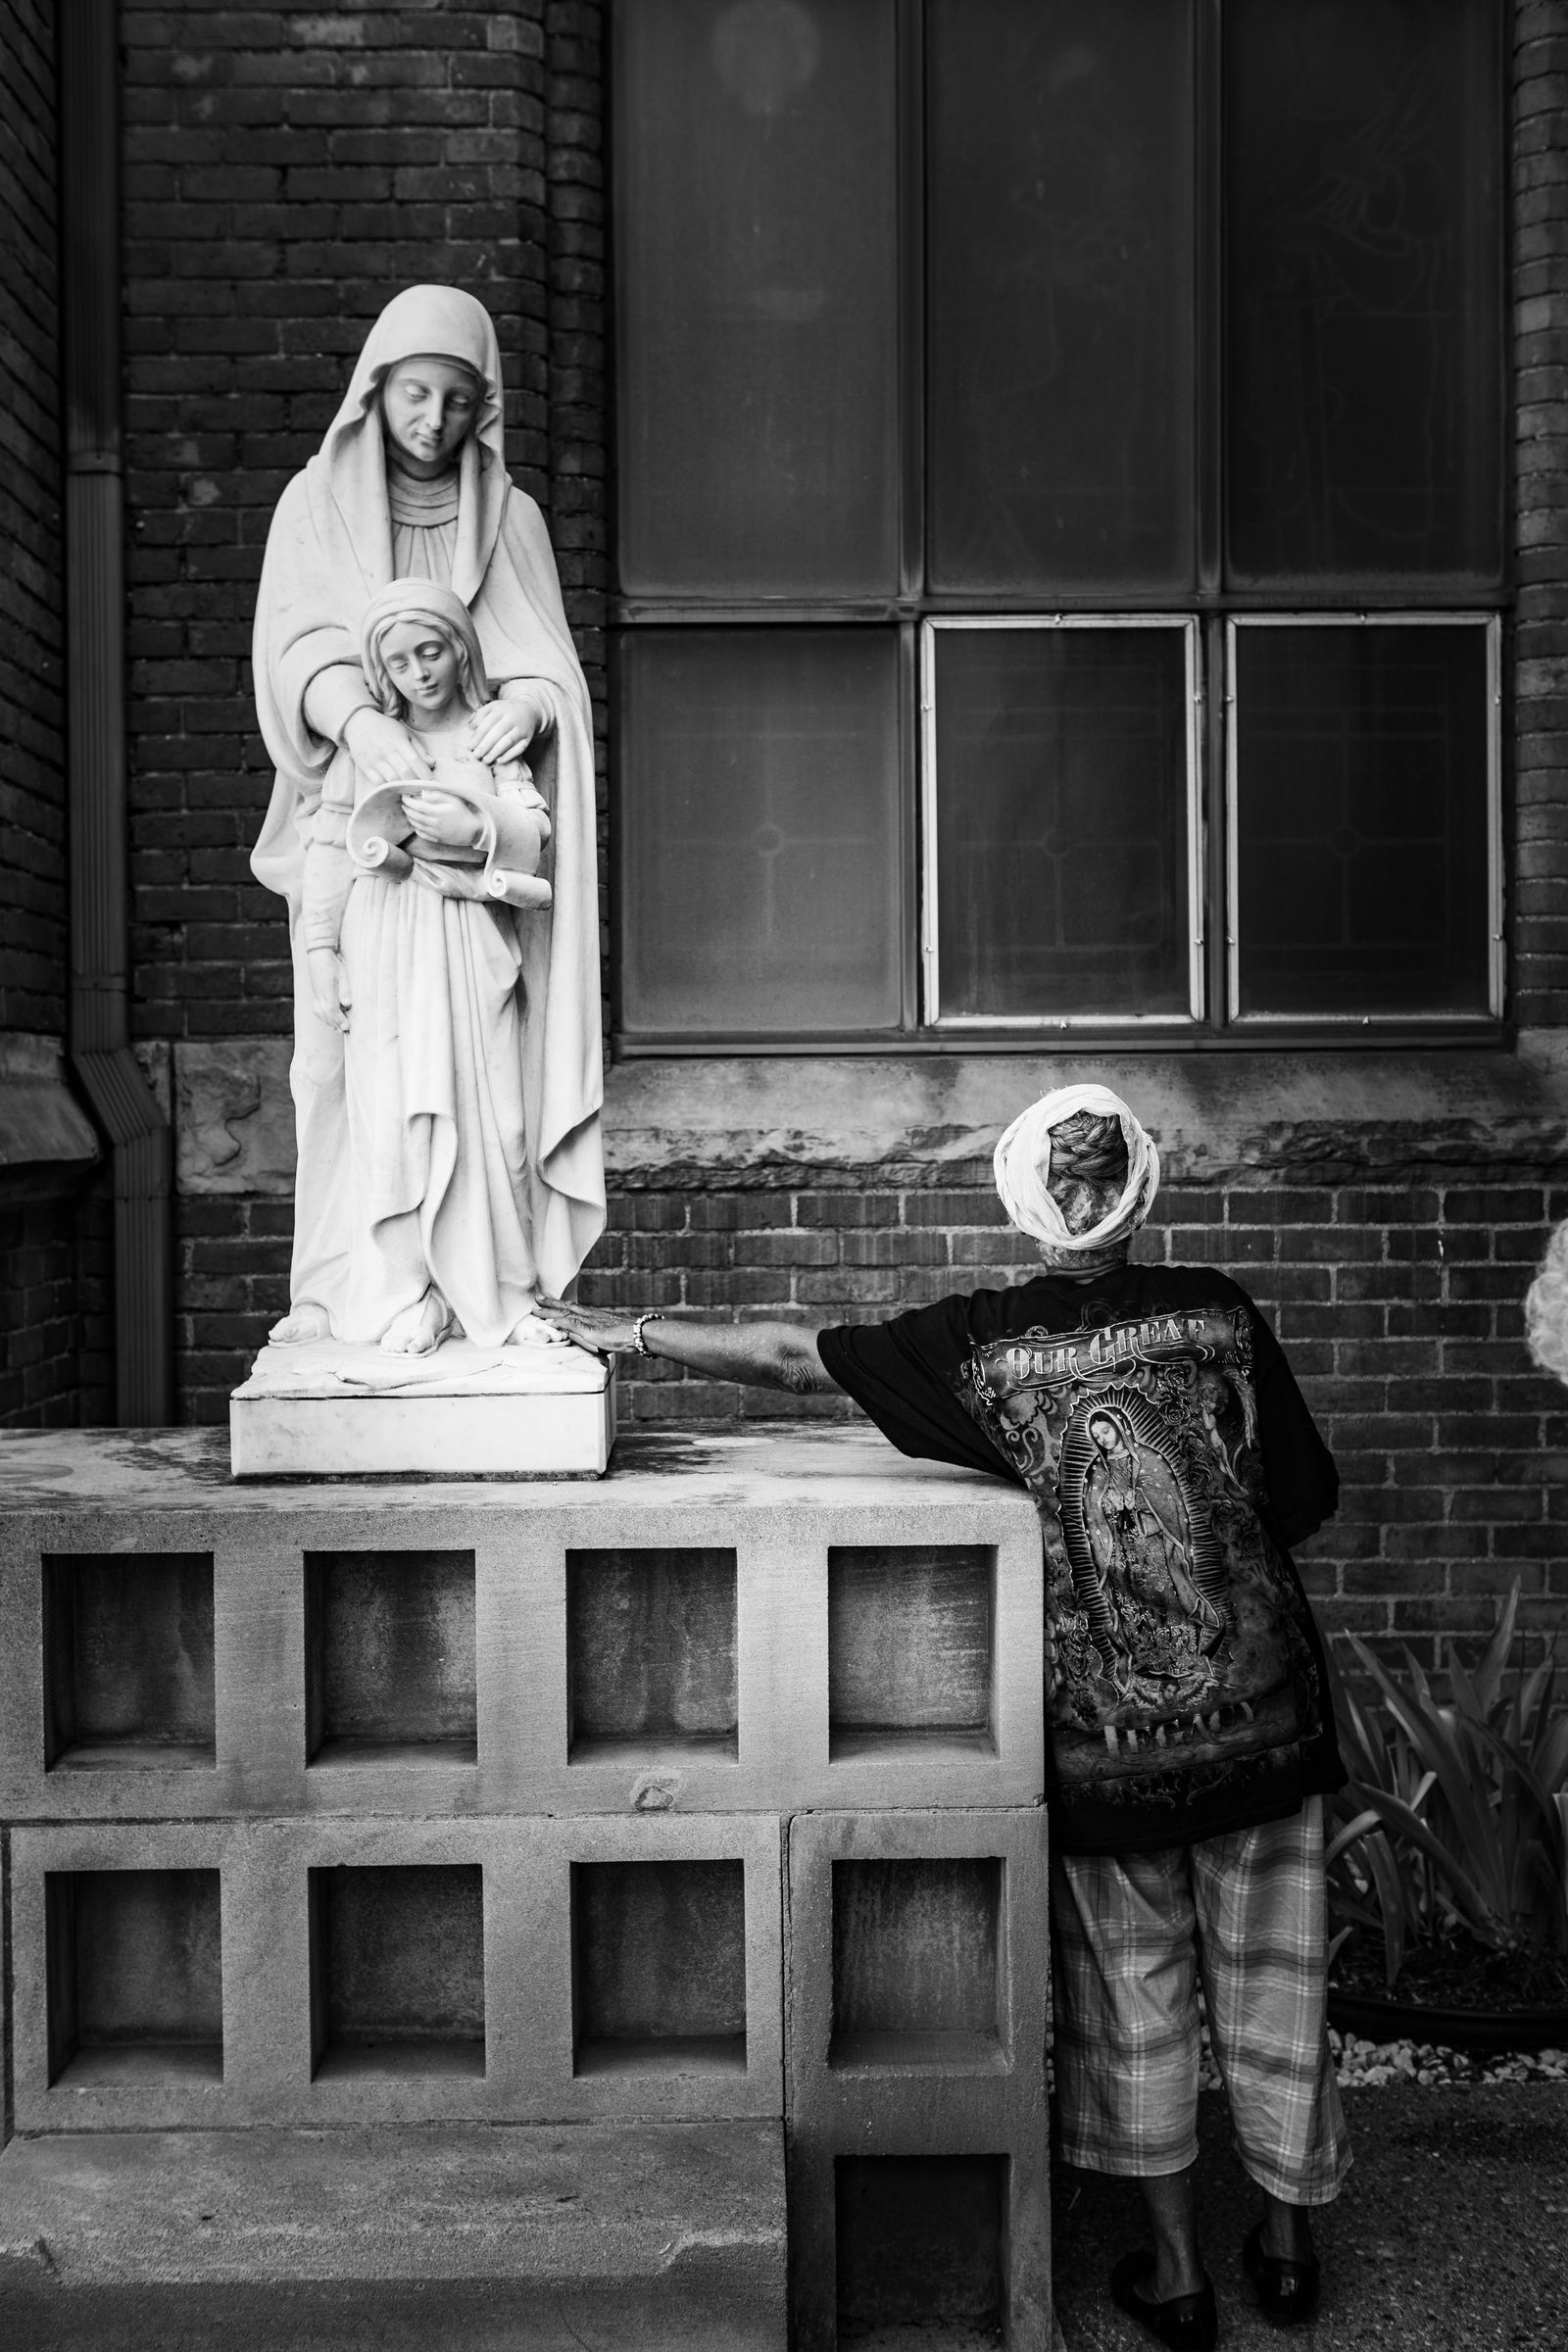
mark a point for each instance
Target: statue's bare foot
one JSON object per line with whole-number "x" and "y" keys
{"x": 299, "y": 1326}
{"x": 535, "y": 1332}
{"x": 418, "y": 1330}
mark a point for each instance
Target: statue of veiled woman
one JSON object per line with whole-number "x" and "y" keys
{"x": 485, "y": 1181}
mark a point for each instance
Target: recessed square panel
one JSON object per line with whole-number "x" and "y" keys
{"x": 911, "y": 1649}
{"x": 921, "y": 2245}
{"x": 397, "y": 1969}
{"x": 128, "y": 1678}
{"x": 916, "y": 1981}
{"x": 389, "y": 1656}
{"x": 134, "y": 1964}
{"x": 651, "y": 1654}
{"x": 658, "y": 1954}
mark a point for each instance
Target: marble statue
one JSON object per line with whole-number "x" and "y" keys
{"x": 432, "y": 830}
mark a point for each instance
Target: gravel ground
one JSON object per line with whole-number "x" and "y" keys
{"x": 1451, "y": 2235}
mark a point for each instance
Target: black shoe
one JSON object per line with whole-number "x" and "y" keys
{"x": 1288, "y": 2289}
{"x": 1187, "y": 2323}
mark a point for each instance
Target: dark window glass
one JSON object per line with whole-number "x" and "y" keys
{"x": 1363, "y": 422}
{"x": 1060, "y": 328}
{"x": 758, "y": 840}
{"x": 1363, "y": 823}
{"x": 756, "y": 389}
{"x": 1061, "y": 821}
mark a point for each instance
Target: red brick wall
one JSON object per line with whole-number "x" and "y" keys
{"x": 32, "y": 874}
{"x": 284, "y": 176}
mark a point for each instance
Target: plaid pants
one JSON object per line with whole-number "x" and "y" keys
{"x": 1131, "y": 1935}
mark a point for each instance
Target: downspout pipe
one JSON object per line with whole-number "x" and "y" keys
{"x": 98, "y": 817}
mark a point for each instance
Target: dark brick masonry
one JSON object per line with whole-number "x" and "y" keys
{"x": 284, "y": 176}
{"x": 33, "y": 791}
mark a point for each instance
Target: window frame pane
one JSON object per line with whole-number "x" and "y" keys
{"x": 1235, "y": 1019}
{"x": 644, "y": 1035}
{"x": 1045, "y": 1023}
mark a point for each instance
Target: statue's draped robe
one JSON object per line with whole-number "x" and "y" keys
{"x": 456, "y": 1140}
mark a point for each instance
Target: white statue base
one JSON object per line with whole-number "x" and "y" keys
{"x": 326, "y": 1411}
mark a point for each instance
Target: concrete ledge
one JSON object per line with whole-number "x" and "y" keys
{"x": 646, "y": 2235}
{"x": 1216, "y": 1117}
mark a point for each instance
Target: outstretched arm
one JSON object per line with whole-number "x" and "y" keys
{"x": 770, "y": 1355}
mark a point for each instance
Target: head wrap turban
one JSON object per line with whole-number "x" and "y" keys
{"x": 1023, "y": 1172}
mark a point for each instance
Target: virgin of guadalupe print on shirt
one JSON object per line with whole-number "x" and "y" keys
{"x": 1179, "y": 1665}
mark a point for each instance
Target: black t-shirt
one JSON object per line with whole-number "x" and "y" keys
{"x": 1172, "y": 1460}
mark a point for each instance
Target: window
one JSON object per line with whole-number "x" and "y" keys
{"x": 1059, "y": 517}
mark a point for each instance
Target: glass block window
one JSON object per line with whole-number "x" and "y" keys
{"x": 1020, "y": 407}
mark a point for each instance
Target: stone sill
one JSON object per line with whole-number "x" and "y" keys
{"x": 839, "y": 1120}
{"x": 1215, "y": 1116}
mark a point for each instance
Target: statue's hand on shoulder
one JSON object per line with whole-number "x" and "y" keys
{"x": 384, "y": 749}
{"x": 330, "y": 986}
{"x": 504, "y": 730}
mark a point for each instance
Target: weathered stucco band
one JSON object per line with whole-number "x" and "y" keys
{"x": 782, "y": 1120}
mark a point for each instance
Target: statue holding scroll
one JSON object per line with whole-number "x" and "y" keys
{"x": 432, "y": 829}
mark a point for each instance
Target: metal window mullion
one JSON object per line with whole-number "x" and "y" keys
{"x": 1495, "y": 909}
{"x": 1233, "y": 992}
{"x": 1195, "y": 820}
{"x": 930, "y": 969}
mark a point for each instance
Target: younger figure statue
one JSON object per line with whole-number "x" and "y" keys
{"x": 411, "y": 899}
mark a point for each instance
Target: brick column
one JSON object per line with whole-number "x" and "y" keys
{"x": 1538, "y": 989}
{"x": 33, "y": 783}
{"x": 285, "y": 176}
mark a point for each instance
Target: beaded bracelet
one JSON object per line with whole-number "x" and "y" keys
{"x": 653, "y": 1316}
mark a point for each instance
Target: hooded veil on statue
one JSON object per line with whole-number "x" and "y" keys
{"x": 337, "y": 538}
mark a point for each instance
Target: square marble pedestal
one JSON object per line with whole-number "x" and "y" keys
{"x": 331, "y": 1411}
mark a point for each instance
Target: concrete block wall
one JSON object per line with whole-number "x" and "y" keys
{"x": 710, "y": 1793}
{"x": 913, "y": 1995}
{"x": 633, "y": 1647}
